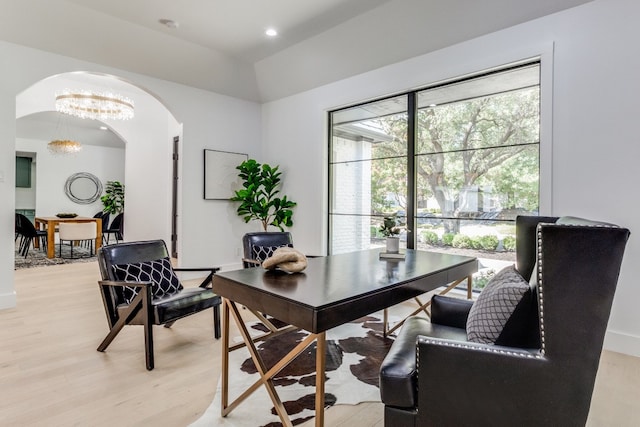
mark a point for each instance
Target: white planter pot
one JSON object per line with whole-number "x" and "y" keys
{"x": 393, "y": 245}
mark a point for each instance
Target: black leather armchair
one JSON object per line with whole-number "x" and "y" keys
{"x": 258, "y": 246}
{"x": 143, "y": 308}
{"x": 542, "y": 369}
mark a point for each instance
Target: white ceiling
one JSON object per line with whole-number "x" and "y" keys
{"x": 236, "y": 27}
{"x": 220, "y": 45}
{"x": 48, "y": 125}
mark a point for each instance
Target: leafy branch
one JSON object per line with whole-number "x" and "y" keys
{"x": 258, "y": 197}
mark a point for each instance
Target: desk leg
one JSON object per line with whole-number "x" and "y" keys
{"x": 321, "y": 351}
{"x": 225, "y": 356}
{"x": 267, "y": 374}
{"x": 423, "y": 307}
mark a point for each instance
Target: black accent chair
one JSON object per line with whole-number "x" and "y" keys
{"x": 542, "y": 369}
{"x": 259, "y": 246}
{"x": 28, "y": 233}
{"x": 116, "y": 228}
{"x": 123, "y": 308}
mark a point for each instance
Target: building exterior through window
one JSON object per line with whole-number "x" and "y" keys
{"x": 455, "y": 163}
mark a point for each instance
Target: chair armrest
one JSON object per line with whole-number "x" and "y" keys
{"x": 212, "y": 269}
{"x": 449, "y": 311}
{"x": 250, "y": 263}
{"x": 207, "y": 280}
{"x": 451, "y": 372}
{"x": 122, "y": 284}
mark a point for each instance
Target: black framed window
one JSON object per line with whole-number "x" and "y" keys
{"x": 456, "y": 162}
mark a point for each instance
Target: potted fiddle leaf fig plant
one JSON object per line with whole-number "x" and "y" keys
{"x": 113, "y": 199}
{"x": 259, "y": 196}
{"x": 390, "y": 229}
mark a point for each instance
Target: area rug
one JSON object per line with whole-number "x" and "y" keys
{"x": 354, "y": 354}
{"x": 38, "y": 257}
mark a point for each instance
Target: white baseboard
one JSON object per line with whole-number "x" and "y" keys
{"x": 622, "y": 343}
{"x": 8, "y": 300}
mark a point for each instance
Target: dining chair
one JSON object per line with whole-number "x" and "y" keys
{"x": 116, "y": 228}
{"x": 28, "y": 233}
{"x": 77, "y": 232}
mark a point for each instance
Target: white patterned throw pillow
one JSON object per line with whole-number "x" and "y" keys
{"x": 495, "y": 305}
{"x": 159, "y": 272}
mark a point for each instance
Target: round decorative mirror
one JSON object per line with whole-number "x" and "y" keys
{"x": 83, "y": 188}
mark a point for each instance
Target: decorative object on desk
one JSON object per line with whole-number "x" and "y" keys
{"x": 113, "y": 199}
{"x": 66, "y": 215}
{"x": 286, "y": 259}
{"x": 258, "y": 200}
{"x": 354, "y": 353}
{"x": 390, "y": 229}
{"x": 88, "y": 104}
{"x": 220, "y": 174}
{"x": 83, "y": 188}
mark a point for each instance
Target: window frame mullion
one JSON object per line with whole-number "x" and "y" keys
{"x": 412, "y": 108}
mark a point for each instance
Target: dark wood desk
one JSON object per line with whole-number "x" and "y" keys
{"x": 331, "y": 291}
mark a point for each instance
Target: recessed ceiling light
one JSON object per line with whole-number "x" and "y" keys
{"x": 169, "y": 23}
{"x": 103, "y": 128}
{"x": 271, "y": 32}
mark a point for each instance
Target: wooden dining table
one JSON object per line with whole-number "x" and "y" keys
{"x": 50, "y": 223}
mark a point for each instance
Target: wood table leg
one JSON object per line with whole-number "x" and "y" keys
{"x": 267, "y": 374}
{"x": 225, "y": 356}
{"x": 321, "y": 351}
{"x": 98, "y": 234}
{"x": 423, "y": 307}
{"x": 51, "y": 239}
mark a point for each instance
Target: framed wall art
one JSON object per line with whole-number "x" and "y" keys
{"x": 220, "y": 174}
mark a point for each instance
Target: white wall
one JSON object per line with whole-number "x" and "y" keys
{"x": 209, "y": 231}
{"x": 148, "y": 142}
{"x": 592, "y": 167}
{"x": 51, "y": 173}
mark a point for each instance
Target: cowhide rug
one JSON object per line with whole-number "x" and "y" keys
{"x": 354, "y": 353}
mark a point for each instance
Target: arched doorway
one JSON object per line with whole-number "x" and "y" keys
{"x": 146, "y": 167}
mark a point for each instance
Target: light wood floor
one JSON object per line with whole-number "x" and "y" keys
{"x": 52, "y": 375}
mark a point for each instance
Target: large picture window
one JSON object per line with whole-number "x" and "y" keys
{"x": 456, "y": 163}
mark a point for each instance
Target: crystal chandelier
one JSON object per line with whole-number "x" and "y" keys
{"x": 63, "y": 142}
{"x": 63, "y": 146}
{"x": 87, "y": 104}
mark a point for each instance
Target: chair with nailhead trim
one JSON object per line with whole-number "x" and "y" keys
{"x": 542, "y": 368}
